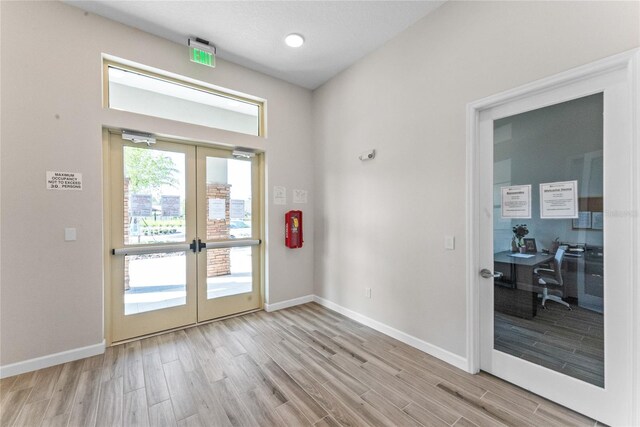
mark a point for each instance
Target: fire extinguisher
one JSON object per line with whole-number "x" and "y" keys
{"x": 293, "y": 229}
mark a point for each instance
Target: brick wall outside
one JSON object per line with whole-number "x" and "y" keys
{"x": 218, "y": 260}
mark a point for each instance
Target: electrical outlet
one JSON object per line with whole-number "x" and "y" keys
{"x": 70, "y": 234}
{"x": 367, "y": 292}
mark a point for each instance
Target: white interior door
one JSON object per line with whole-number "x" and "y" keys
{"x": 559, "y": 160}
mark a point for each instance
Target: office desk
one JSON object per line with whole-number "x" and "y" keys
{"x": 513, "y": 292}
{"x": 521, "y": 269}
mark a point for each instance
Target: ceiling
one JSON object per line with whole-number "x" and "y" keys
{"x": 251, "y": 33}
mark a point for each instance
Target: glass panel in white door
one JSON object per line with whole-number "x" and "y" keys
{"x": 539, "y": 315}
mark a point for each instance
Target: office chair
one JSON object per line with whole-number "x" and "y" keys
{"x": 552, "y": 278}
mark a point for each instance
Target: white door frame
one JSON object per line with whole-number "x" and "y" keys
{"x": 628, "y": 61}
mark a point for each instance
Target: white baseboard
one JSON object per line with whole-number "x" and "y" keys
{"x": 288, "y": 303}
{"x": 435, "y": 351}
{"x": 51, "y": 360}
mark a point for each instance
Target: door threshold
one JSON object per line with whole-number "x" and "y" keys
{"x": 180, "y": 328}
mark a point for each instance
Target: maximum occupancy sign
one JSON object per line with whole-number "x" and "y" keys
{"x": 64, "y": 180}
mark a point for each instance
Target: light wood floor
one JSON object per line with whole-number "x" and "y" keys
{"x": 567, "y": 341}
{"x": 297, "y": 367}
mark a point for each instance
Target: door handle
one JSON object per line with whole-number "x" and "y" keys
{"x": 197, "y": 246}
{"x": 141, "y": 250}
{"x": 487, "y": 274}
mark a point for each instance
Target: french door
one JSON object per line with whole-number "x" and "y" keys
{"x": 229, "y": 258}
{"x": 553, "y": 241}
{"x": 184, "y": 233}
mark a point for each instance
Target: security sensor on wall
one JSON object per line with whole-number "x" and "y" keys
{"x": 367, "y": 155}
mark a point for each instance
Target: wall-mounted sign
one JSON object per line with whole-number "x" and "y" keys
{"x": 299, "y": 196}
{"x": 516, "y": 201}
{"x": 279, "y": 195}
{"x": 140, "y": 204}
{"x": 559, "y": 200}
{"x": 64, "y": 180}
{"x": 236, "y": 209}
{"x": 170, "y": 205}
{"x": 217, "y": 209}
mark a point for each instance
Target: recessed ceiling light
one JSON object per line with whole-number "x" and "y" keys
{"x": 294, "y": 40}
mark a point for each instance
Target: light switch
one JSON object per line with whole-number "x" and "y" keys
{"x": 449, "y": 242}
{"x": 69, "y": 234}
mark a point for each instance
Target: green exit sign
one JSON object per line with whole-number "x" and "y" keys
{"x": 202, "y": 57}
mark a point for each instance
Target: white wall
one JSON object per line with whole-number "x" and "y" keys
{"x": 52, "y": 119}
{"x": 381, "y": 224}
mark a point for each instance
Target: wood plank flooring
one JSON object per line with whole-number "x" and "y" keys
{"x": 567, "y": 341}
{"x": 303, "y": 366}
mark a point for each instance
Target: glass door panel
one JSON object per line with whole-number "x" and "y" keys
{"x": 548, "y": 188}
{"x": 229, "y": 192}
{"x": 155, "y": 281}
{"x": 154, "y": 196}
{"x": 154, "y": 210}
{"x": 229, "y": 271}
{"x": 229, "y": 221}
{"x": 153, "y": 271}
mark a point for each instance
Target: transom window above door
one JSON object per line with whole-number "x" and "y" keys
{"x": 143, "y": 92}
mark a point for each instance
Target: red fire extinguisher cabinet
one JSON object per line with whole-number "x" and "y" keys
{"x": 293, "y": 229}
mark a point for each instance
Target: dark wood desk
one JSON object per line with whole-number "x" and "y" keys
{"x": 520, "y": 269}
{"x": 513, "y": 292}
